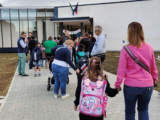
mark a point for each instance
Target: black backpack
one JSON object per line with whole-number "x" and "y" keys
{"x": 83, "y": 63}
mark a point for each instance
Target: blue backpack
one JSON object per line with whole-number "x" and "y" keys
{"x": 37, "y": 54}
{"x": 83, "y": 63}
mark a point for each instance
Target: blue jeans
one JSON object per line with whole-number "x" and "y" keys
{"x": 60, "y": 74}
{"x": 31, "y": 61}
{"x": 142, "y": 96}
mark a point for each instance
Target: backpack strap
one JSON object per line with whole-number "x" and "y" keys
{"x": 136, "y": 60}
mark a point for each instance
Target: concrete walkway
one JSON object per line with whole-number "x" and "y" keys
{"x": 29, "y": 99}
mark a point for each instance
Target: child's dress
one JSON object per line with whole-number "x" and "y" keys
{"x": 109, "y": 91}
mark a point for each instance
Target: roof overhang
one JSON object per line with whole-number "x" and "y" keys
{"x": 72, "y": 21}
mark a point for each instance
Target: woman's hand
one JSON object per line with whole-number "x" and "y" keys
{"x": 75, "y": 108}
{"x": 77, "y": 71}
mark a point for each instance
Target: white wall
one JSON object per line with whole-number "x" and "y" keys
{"x": 56, "y": 30}
{"x": 49, "y": 28}
{"x": 6, "y": 34}
{"x": 40, "y": 29}
{"x": 114, "y": 19}
{"x": 0, "y": 36}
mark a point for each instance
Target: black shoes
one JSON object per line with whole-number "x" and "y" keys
{"x": 25, "y": 75}
{"x": 20, "y": 74}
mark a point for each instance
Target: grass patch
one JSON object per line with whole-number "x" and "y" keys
{"x": 111, "y": 64}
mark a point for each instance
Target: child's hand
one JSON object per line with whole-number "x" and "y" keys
{"x": 75, "y": 108}
{"x": 119, "y": 89}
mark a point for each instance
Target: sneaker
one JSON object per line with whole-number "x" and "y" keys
{"x": 25, "y": 75}
{"x": 20, "y": 74}
{"x": 159, "y": 93}
{"x": 55, "y": 96}
{"x": 35, "y": 75}
{"x": 39, "y": 75}
{"x": 65, "y": 96}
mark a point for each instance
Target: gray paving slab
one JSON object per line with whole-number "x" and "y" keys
{"x": 29, "y": 100}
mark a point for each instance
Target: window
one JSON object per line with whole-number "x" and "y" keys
{"x": 32, "y": 14}
{"x": 33, "y": 27}
{"x": 41, "y": 13}
{"x": 5, "y": 14}
{"x": 15, "y": 32}
{"x": 23, "y": 14}
{"x": 49, "y": 13}
{"x": 24, "y": 27}
{"x": 14, "y": 14}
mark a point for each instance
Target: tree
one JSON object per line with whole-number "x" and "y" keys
{"x": 1, "y": 5}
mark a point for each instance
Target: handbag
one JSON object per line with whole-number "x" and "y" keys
{"x": 136, "y": 60}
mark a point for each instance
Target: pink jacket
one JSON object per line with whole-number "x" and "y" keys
{"x": 135, "y": 76}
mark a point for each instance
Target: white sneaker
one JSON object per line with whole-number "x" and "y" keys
{"x": 55, "y": 96}
{"x": 65, "y": 96}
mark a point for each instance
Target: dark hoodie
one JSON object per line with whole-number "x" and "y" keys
{"x": 35, "y": 49}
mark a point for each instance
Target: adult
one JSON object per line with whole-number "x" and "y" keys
{"x": 49, "y": 44}
{"x": 30, "y": 35}
{"x": 60, "y": 64}
{"x": 86, "y": 42}
{"x": 138, "y": 84}
{"x": 61, "y": 41}
{"x": 32, "y": 44}
{"x": 93, "y": 40}
{"x": 66, "y": 36}
{"x": 100, "y": 45}
{"x": 55, "y": 39}
{"x": 22, "y": 48}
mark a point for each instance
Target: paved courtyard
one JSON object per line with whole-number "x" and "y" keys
{"x": 28, "y": 99}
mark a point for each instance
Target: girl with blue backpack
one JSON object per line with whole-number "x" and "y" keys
{"x": 91, "y": 95}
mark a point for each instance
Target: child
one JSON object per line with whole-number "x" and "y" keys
{"x": 81, "y": 53}
{"x": 93, "y": 99}
{"x": 44, "y": 54}
{"x": 37, "y": 55}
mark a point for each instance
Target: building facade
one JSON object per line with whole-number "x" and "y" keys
{"x": 114, "y": 17}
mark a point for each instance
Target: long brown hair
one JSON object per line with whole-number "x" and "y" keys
{"x": 95, "y": 69}
{"x": 135, "y": 34}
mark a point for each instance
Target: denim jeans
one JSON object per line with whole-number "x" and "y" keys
{"x": 21, "y": 63}
{"x": 31, "y": 61}
{"x": 139, "y": 95}
{"x": 60, "y": 74}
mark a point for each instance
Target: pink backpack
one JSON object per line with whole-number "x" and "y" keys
{"x": 93, "y": 99}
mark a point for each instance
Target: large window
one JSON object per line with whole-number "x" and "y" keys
{"x": 14, "y": 15}
{"x": 24, "y": 26}
{"x": 23, "y": 14}
{"x": 31, "y": 14}
{"x": 41, "y": 13}
{"x": 15, "y": 32}
{"x": 49, "y": 13}
{"x": 6, "y": 33}
{"x": 33, "y": 27}
{"x": 5, "y": 14}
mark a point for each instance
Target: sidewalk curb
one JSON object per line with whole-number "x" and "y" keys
{"x": 8, "y": 91}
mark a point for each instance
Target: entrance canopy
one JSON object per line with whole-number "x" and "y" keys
{"x": 72, "y": 21}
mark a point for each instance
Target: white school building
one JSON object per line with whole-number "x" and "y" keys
{"x": 114, "y": 18}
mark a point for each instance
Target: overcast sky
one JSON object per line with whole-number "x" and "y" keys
{"x": 50, "y": 2}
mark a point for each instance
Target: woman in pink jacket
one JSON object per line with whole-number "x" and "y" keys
{"x": 138, "y": 83}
